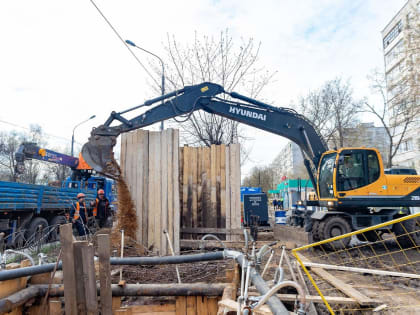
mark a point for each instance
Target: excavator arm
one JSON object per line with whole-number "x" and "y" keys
{"x": 98, "y": 151}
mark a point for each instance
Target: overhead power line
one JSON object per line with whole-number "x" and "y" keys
{"x": 123, "y": 41}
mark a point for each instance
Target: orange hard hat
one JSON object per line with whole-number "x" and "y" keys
{"x": 101, "y": 192}
{"x": 80, "y": 195}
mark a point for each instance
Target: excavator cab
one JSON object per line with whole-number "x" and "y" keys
{"x": 349, "y": 172}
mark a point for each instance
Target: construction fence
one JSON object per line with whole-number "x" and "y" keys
{"x": 379, "y": 273}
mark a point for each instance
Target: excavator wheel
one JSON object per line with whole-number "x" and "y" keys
{"x": 370, "y": 236}
{"x": 334, "y": 226}
{"x": 316, "y": 236}
{"x": 410, "y": 234}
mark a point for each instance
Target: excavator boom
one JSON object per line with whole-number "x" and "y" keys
{"x": 212, "y": 98}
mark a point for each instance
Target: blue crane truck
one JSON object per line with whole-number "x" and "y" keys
{"x": 26, "y": 209}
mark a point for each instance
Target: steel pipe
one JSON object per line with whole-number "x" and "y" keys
{"x": 166, "y": 260}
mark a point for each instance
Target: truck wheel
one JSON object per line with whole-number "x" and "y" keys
{"x": 55, "y": 223}
{"x": 335, "y": 226}
{"x": 34, "y": 227}
{"x": 412, "y": 227}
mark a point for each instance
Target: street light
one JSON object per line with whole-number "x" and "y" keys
{"x": 72, "y": 136}
{"x": 129, "y": 42}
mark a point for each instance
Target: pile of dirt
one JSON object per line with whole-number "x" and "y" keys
{"x": 126, "y": 214}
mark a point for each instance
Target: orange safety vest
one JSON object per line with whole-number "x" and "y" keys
{"x": 77, "y": 212}
{"x": 95, "y": 210}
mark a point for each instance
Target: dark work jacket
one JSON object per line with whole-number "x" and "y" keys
{"x": 103, "y": 209}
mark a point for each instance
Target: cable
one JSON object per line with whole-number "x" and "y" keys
{"x": 123, "y": 41}
{"x": 46, "y": 134}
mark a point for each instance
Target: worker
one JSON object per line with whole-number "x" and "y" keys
{"x": 101, "y": 209}
{"x": 275, "y": 204}
{"x": 79, "y": 214}
{"x": 280, "y": 203}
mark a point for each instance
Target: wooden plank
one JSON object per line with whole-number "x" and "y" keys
{"x": 194, "y": 165}
{"x": 340, "y": 285}
{"x": 218, "y": 184}
{"x": 153, "y": 308}
{"x": 222, "y": 186}
{"x": 79, "y": 276}
{"x": 69, "y": 277}
{"x": 199, "y": 187}
{"x": 201, "y": 305}
{"x": 123, "y": 153}
{"x": 55, "y": 307}
{"x": 213, "y": 192}
{"x": 212, "y": 306}
{"x": 191, "y": 305}
{"x": 206, "y": 190}
{"x": 154, "y": 191}
{"x": 185, "y": 171}
{"x": 164, "y": 192}
{"x": 227, "y": 191}
{"x": 144, "y": 143}
{"x": 129, "y": 162}
{"x": 170, "y": 183}
{"x": 116, "y": 302}
{"x": 364, "y": 270}
{"x": 105, "y": 274}
{"x": 176, "y": 199}
{"x": 235, "y": 180}
{"x": 181, "y": 305}
{"x": 138, "y": 194}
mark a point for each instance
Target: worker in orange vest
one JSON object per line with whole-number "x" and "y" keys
{"x": 79, "y": 214}
{"x": 101, "y": 209}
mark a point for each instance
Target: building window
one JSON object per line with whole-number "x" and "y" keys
{"x": 406, "y": 146}
{"x": 396, "y": 30}
{"x": 394, "y": 54}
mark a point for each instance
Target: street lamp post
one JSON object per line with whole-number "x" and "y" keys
{"x": 129, "y": 42}
{"x": 72, "y": 136}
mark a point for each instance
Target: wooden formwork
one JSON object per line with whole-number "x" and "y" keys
{"x": 197, "y": 189}
{"x": 150, "y": 166}
{"x": 210, "y": 186}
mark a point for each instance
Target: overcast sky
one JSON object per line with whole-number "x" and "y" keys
{"x": 61, "y": 63}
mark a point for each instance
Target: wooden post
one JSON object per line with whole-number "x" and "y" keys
{"x": 105, "y": 274}
{"x": 85, "y": 278}
{"x": 69, "y": 277}
{"x": 80, "y": 283}
{"x": 89, "y": 276}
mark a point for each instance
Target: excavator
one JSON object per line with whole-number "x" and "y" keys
{"x": 350, "y": 182}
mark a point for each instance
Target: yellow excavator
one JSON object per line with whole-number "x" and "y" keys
{"x": 350, "y": 182}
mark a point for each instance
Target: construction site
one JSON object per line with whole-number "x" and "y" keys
{"x": 179, "y": 244}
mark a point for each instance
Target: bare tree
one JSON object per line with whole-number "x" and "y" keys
{"x": 261, "y": 176}
{"x": 9, "y": 143}
{"x": 332, "y": 109}
{"x": 218, "y": 60}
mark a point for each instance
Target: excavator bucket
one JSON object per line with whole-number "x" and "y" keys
{"x": 98, "y": 153}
